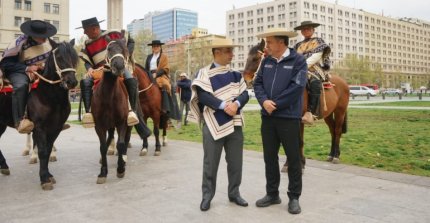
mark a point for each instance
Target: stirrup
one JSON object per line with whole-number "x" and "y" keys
{"x": 88, "y": 120}
{"x": 25, "y": 126}
{"x": 132, "y": 119}
{"x": 308, "y": 118}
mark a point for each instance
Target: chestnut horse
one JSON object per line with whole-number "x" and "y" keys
{"x": 48, "y": 107}
{"x": 150, "y": 101}
{"x": 109, "y": 107}
{"x": 334, "y": 99}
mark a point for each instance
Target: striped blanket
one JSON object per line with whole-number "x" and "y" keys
{"x": 224, "y": 84}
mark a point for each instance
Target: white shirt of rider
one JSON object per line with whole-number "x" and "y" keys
{"x": 153, "y": 63}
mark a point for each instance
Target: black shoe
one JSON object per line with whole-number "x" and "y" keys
{"x": 205, "y": 205}
{"x": 294, "y": 206}
{"x": 268, "y": 200}
{"x": 239, "y": 201}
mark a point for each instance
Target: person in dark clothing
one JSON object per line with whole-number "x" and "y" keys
{"x": 184, "y": 87}
{"x": 22, "y": 58}
{"x": 278, "y": 87}
{"x": 94, "y": 56}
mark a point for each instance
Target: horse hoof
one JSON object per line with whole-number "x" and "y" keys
{"x": 52, "y": 179}
{"x": 335, "y": 160}
{"x": 129, "y": 145}
{"x": 47, "y": 186}
{"x": 143, "y": 152}
{"x": 164, "y": 143}
{"x": 25, "y": 152}
{"x": 101, "y": 180}
{"x": 53, "y": 159}
{"x": 5, "y": 172}
{"x": 33, "y": 161}
{"x": 110, "y": 152}
{"x": 284, "y": 169}
{"x": 329, "y": 158}
{"x": 157, "y": 153}
{"x": 120, "y": 175}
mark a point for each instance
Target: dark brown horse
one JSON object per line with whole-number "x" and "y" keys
{"x": 150, "y": 101}
{"x": 334, "y": 103}
{"x": 48, "y": 107}
{"x": 110, "y": 108}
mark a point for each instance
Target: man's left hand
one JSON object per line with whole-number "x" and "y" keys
{"x": 231, "y": 108}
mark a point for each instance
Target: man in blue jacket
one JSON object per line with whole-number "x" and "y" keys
{"x": 279, "y": 87}
{"x": 184, "y": 86}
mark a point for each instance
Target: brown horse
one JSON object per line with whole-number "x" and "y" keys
{"x": 150, "y": 101}
{"x": 110, "y": 108}
{"x": 48, "y": 107}
{"x": 334, "y": 103}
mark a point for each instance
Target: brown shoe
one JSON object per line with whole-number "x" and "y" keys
{"x": 308, "y": 118}
{"x": 65, "y": 126}
{"x": 25, "y": 126}
{"x": 132, "y": 119}
{"x": 88, "y": 120}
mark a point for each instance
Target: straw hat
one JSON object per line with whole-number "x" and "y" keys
{"x": 277, "y": 32}
{"x": 221, "y": 43}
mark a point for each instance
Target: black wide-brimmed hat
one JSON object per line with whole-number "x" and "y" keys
{"x": 90, "y": 22}
{"x": 155, "y": 43}
{"x": 307, "y": 23}
{"x": 38, "y": 28}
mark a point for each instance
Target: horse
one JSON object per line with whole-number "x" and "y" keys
{"x": 150, "y": 101}
{"x": 48, "y": 107}
{"x": 333, "y": 109}
{"x": 31, "y": 149}
{"x": 109, "y": 106}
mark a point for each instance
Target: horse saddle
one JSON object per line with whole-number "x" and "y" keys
{"x": 7, "y": 85}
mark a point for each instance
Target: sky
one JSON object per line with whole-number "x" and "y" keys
{"x": 211, "y": 13}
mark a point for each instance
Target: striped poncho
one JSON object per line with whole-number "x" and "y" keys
{"x": 225, "y": 84}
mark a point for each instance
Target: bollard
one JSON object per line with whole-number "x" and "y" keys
{"x": 383, "y": 96}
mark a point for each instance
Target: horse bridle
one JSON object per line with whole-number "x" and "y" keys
{"x": 108, "y": 60}
{"x": 58, "y": 70}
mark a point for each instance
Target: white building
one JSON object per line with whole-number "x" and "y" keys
{"x": 398, "y": 45}
{"x": 14, "y": 13}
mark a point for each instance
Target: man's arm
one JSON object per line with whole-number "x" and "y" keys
{"x": 12, "y": 65}
{"x": 207, "y": 99}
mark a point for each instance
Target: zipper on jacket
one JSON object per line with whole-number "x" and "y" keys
{"x": 274, "y": 78}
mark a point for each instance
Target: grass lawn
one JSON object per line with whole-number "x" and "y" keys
{"x": 401, "y": 103}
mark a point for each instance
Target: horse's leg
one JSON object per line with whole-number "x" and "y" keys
{"x": 34, "y": 155}
{"x": 329, "y": 120}
{"x": 53, "y": 156}
{"x": 101, "y": 179}
{"x": 4, "y": 168}
{"x": 28, "y": 146}
{"x": 122, "y": 150}
{"x": 157, "y": 141}
{"x": 44, "y": 144}
{"x": 111, "y": 142}
{"x": 144, "y": 149}
{"x": 164, "y": 125}
{"x": 339, "y": 119}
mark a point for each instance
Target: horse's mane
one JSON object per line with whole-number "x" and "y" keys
{"x": 254, "y": 49}
{"x": 64, "y": 50}
{"x": 143, "y": 69}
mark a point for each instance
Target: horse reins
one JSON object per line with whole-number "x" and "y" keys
{"x": 58, "y": 70}
{"x": 147, "y": 88}
{"x": 108, "y": 60}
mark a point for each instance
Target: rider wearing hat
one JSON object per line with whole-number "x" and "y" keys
{"x": 94, "y": 56}
{"x": 316, "y": 53}
{"x": 24, "y": 56}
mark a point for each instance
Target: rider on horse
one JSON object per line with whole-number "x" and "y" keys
{"x": 94, "y": 56}
{"x": 316, "y": 53}
{"x": 22, "y": 58}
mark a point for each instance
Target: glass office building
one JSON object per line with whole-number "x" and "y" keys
{"x": 173, "y": 24}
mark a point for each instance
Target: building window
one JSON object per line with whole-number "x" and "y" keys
{"x": 56, "y": 8}
{"x": 47, "y": 8}
{"x": 27, "y": 19}
{"x": 18, "y": 4}
{"x": 56, "y": 23}
{"x": 281, "y": 8}
{"x": 27, "y": 5}
{"x": 18, "y": 21}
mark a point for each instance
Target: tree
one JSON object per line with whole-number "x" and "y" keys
{"x": 141, "y": 49}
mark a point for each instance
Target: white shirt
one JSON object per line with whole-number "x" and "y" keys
{"x": 153, "y": 63}
{"x": 285, "y": 54}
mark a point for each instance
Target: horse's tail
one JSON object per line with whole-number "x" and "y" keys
{"x": 345, "y": 123}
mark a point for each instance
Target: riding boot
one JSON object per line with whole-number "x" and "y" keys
{"x": 313, "y": 100}
{"x": 131, "y": 86}
{"x": 19, "y": 101}
{"x": 86, "y": 94}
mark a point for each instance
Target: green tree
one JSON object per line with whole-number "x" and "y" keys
{"x": 141, "y": 48}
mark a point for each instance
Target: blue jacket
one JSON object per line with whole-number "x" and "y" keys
{"x": 283, "y": 83}
{"x": 185, "y": 86}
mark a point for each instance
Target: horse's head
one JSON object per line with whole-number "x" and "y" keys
{"x": 63, "y": 60}
{"x": 117, "y": 56}
{"x": 255, "y": 55}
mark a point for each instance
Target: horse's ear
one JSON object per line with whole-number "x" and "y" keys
{"x": 72, "y": 42}
{"x": 262, "y": 44}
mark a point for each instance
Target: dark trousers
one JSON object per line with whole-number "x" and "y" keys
{"x": 233, "y": 145}
{"x": 274, "y": 132}
{"x": 20, "y": 82}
